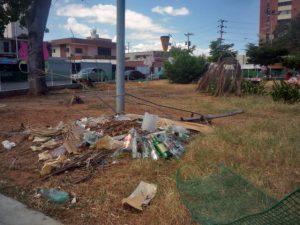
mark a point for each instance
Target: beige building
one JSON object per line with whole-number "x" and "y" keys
{"x": 77, "y": 48}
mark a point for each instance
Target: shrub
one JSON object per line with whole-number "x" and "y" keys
{"x": 283, "y": 91}
{"x": 185, "y": 68}
{"x": 253, "y": 87}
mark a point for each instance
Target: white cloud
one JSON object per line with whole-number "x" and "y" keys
{"x": 144, "y": 36}
{"x": 169, "y": 10}
{"x": 76, "y": 27}
{"x": 146, "y": 47}
{"x": 106, "y": 14}
{"x": 81, "y": 29}
{"x": 201, "y": 51}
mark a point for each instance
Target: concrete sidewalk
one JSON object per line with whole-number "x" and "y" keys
{"x": 13, "y": 212}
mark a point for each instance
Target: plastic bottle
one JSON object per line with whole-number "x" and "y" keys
{"x": 145, "y": 148}
{"x": 161, "y": 148}
{"x": 54, "y": 195}
{"x": 154, "y": 154}
{"x": 134, "y": 144}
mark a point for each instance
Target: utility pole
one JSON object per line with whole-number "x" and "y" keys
{"x": 221, "y": 31}
{"x": 188, "y": 43}
{"x": 120, "y": 78}
{"x": 16, "y": 37}
{"x": 128, "y": 47}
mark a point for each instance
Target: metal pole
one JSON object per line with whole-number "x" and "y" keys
{"x": 51, "y": 72}
{"x": 120, "y": 80}
{"x": 16, "y": 37}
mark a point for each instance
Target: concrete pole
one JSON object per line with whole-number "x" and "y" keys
{"x": 16, "y": 37}
{"x": 120, "y": 80}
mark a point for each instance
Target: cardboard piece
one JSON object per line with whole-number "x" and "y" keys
{"x": 73, "y": 139}
{"x": 163, "y": 122}
{"x": 141, "y": 196}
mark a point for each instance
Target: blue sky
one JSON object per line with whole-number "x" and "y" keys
{"x": 147, "y": 20}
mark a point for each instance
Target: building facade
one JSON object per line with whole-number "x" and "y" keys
{"x": 77, "y": 48}
{"x": 146, "y": 62}
{"x": 274, "y": 12}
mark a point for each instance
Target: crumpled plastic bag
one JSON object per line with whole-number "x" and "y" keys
{"x": 45, "y": 156}
{"x": 108, "y": 143}
{"x": 8, "y": 145}
{"x": 51, "y": 164}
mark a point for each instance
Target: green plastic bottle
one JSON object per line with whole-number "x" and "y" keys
{"x": 55, "y": 195}
{"x": 160, "y": 148}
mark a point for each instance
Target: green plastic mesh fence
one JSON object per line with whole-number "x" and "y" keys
{"x": 226, "y": 198}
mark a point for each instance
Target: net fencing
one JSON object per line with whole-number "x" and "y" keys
{"x": 225, "y": 198}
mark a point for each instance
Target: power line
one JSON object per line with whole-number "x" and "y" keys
{"x": 241, "y": 22}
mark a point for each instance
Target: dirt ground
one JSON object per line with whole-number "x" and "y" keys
{"x": 99, "y": 198}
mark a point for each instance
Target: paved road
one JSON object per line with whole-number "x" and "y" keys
{"x": 13, "y": 212}
{"x": 7, "y": 86}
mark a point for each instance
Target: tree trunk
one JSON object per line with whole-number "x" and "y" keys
{"x": 36, "y": 18}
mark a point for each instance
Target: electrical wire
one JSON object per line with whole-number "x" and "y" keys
{"x": 164, "y": 106}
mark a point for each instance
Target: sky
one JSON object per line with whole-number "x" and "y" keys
{"x": 147, "y": 20}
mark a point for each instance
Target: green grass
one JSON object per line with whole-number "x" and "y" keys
{"x": 262, "y": 144}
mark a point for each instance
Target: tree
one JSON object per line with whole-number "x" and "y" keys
{"x": 292, "y": 61}
{"x": 33, "y": 14}
{"x": 265, "y": 54}
{"x": 218, "y": 50}
{"x": 184, "y": 67}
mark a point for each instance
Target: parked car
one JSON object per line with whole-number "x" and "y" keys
{"x": 158, "y": 75}
{"x": 90, "y": 74}
{"x": 134, "y": 75}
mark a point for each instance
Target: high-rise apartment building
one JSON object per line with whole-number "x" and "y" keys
{"x": 274, "y": 12}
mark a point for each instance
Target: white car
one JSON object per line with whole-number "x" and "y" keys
{"x": 90, "y": 74}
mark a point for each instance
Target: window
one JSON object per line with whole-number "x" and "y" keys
{"x": 285, "y": 12}
{"x": 5, "y": 46}
{"x": 78, "y": 50}
{"x": 284, "y": 3}
{"x": 53, "y": 50}
{"x": 104, "y": 51}
{"x": 67, "y": 49}
{"x": 13, "y": 46}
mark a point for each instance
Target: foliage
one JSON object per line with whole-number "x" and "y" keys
{"x": 253, "y": 87}
{"x": 283, "y": 91}
{"x": 11, "y": 11}
{"x": 265, "y": 54}
{"x": 218, "y": 50}
{"x": 292, "y": 61}
{"x": 185, "y": 68}
{"x": 212, "y": 87}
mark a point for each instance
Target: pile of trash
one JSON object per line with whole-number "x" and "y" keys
{"x": 96, "y": 142}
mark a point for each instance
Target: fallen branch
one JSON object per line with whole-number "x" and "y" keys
{"x": 208, "y": 118}
{"x": 87, "y": 160}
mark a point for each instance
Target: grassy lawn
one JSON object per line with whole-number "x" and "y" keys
{"x": 262, "y": 145}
